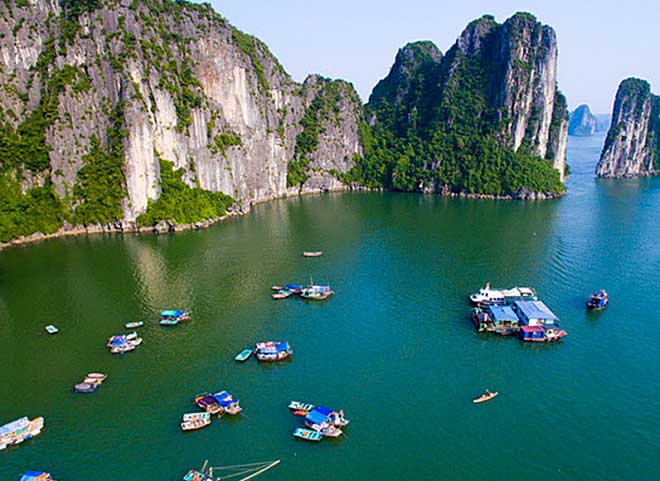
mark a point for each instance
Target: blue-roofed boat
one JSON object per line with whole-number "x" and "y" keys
{"x": 541, "y": 333}
{"x": 535, "y": 313}
{"x": 271, "y": 351}
{"x": 326, "y": 421}
{"x": 36, "y": 476}
{"x": 173, "y": 317}
{"x": 20, "y": 430}
{"x": 124, "y": 343}
{"x": 243, "y": 355}
{"x": 228, "y": 403}
{"x": 598, "y": 301}
{"x": 307, "y": 434}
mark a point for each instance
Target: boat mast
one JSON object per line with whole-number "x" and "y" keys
{"x": 262, "y": 470}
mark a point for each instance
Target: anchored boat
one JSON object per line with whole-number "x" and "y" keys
{"x": 300, "y": 406}
{"x": 326, "y": 421}
{"x": 312, "y": 253}
{"x": 228, "y": 403}
{"x": 90, "y": 383}
{"x": 194, "y": 421}
{"x": 134, "y": 325}
{"x": 243, "y": 355}
{"x": 598, "y": 301}
{"x": 307, "y": 434}
{"x": 50, "y": 329}
{"x": 316, "y": 293}
{"x": 209, "y": 403}
{"x": 124, "y": 343}
{"x": 271, "y": 351}
{"x": 497, "y": 297}
{"x": 173, "y": 317}
{"x": 245, "y": 471}
{"x": 20, "y": 430}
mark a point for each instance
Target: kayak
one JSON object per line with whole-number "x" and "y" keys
{"x": 485, "y": 397}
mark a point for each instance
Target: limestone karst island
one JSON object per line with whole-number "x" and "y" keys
{"x": 298, "y": 241}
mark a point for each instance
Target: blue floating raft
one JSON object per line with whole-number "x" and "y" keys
{"x": 307, "y": 434}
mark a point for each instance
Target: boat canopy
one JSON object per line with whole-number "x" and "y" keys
{"x": 273, "y": 348}
{"x": 293, "y": 286}
{"x": 316, "y": 417}
{"x": 208, "y": 400}
{"x": 224, "y": 399}
{"x": 171, "y": 313}
{"x": 535, "y": 310}
{"x": 35, "y": 476}
{"x": 13, "y": 426}
{"x": 324, "y": 410}
{"x": 531, "y": 329}
{"x": 503, "y": 313}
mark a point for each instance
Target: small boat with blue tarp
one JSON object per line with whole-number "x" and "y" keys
{"x": 124, "y": 343}
{"x": 208, "y": 402}
{"x": 598, "y": 301}
{"x": 20, "y": 430}
{"x": 243, "y": 355}
{"x": 307, "y": 434}
{"x": 36, "y": 476}
{"x": 326, "y": 421}
{"x": 228, "y": 403}
{"x": 173, "y": 317}
{"x": 271, "y": 351}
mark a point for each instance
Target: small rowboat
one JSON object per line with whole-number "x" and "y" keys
{"x": 282, "y": 294}
{"x": 299, "y": 406}
{"x": 193, "y": 425}
{"x": 50, "y": 329}
{"x": 195, "y": 417}
{"x": 487, "y": 396}
{"x": 312, "y": 253}
{"x": 84, "y": 387}
{"x": 300, "y": 413}
{"x": 243, "y": 355}
{"x": 133, "y": 325}
{"x": 307, "y": 434}
{"x": 97, "y": 375}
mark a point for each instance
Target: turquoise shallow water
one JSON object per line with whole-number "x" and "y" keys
{"x": 394, "y": 347}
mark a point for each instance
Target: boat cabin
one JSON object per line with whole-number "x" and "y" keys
{"x": 535, "y": 313}
{"x": 36, "y": 476}
{"x": 504, "y": 319}
{"x": 519, "y": 294}
{"x": 487, "y": 297}
{"x": 532, "y": 333}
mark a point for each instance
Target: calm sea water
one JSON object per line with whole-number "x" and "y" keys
{"x": 394, "y": 348}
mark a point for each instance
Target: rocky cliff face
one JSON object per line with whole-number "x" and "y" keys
{"x": 168, "y": 81}
{"x": 632, "y": 145}
{"x": 582, "y": 123}
{"x": 496, "y": 83}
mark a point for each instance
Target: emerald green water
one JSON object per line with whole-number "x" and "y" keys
{"x": 394, "y": 348}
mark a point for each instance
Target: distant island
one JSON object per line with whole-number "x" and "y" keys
{"x": 582, "y": 123}
{"x": 119, "y": 117}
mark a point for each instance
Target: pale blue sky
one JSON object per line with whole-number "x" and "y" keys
{"x": 600, "y": 42}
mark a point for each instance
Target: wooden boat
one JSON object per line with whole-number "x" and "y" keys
{"x": 282, "y": 294}
{"x": 322, "y": 419}
{"x": 312, "y": 253}
{"x": 134, "y": 325}
{"x": 243, "y": 355}
{"x": 245, "y": 471}
{"x": 330, "y": 432}
{"x": 300, "y": 406}
{"x": 84, "y": 387}
{"x": 307, "y": 434}
{"x": 189, "y": 417}
{"x": 487, "y": 396}
{"x": 97, "y": 375}
{"x": 50, "y": 329}
{"x": 271, "y": 351}
{"x": 228, "y": 403}
{"x": 194, "y": 425}
{"x": 20, "y": 430}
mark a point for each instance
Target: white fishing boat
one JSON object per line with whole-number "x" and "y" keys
{"x": 196, "y": 416}
{"x": 196, "y": 424}
{"x": 300, "y": 406}
{"x": 312, "y": 253}
{"x": 134, "y": 325}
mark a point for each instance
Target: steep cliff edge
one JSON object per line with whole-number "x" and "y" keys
{"x": 632, "y": 145}
{"x": 582, "y": 123}
{"x": 100, "y": 97}
{"x": 485, "y": 118}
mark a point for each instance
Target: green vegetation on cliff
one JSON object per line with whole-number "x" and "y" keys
{"x": 181, "y": 203}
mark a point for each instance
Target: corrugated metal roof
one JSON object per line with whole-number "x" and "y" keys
{"x": 535, "y": 310}
{"x": 503, "y": 313}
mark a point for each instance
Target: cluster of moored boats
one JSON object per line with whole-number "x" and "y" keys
{"x": 124, "y": 343}
{"x": 312, "y": 292}
{"x": 515, "y": 311}
{"x": 90, "y": 383}
{"x": 319, "y": 421}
